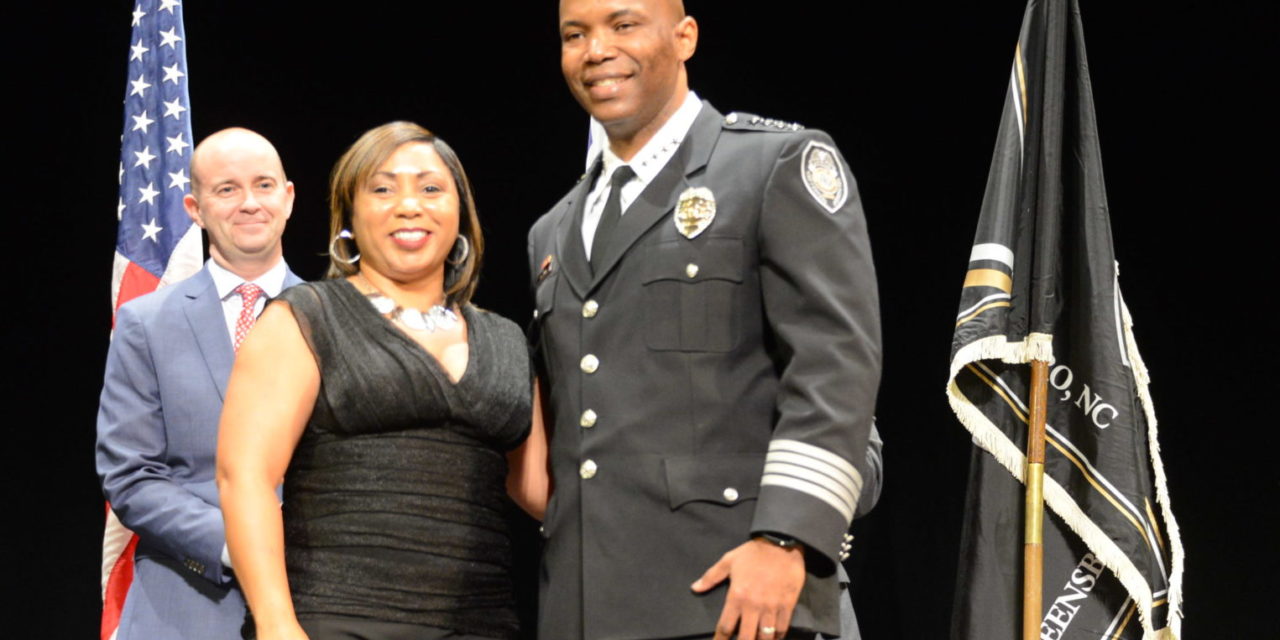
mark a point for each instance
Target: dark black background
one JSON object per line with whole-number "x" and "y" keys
{"x": 912, "y": 93}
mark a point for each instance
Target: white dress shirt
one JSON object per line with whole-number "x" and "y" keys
{"x": 225, "y": 282}
{"x": 272, "y": 282}
{"x": 647, "y": 163}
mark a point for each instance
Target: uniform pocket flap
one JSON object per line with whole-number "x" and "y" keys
{"x": 691, "y": 261}
{"x": 723, "y": 479}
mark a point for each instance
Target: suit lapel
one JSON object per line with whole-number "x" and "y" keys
{"x": 569, "y": 249}
{"x": 659, "y": 198}
{"x": 204, "y": 315}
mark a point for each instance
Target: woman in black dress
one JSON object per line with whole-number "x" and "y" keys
{"x": 395, "y": 412}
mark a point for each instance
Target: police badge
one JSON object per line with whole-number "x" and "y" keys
{"x": 694, "y": 213}
{"x": 823, "y": 176}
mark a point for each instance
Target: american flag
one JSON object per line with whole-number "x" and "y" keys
{"x": 156, "y": 243}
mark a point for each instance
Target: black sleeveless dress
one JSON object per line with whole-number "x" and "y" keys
{"x": 394, "y": 501}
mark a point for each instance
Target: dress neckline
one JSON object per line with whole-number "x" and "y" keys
{"x": 468, "y": 317}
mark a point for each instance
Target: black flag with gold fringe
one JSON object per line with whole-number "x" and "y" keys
{"x": 1043, "y": 285}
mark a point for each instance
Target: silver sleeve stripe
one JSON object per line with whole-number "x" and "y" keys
{"x": 813, "y": 470}
{"x": 840, "y": 481}
{"x": 779, "y": 480}
{"x": 821, "y": 480}
{"x": 819, "y": 455}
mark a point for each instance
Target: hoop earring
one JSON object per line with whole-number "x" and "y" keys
{"x": 345, "y": 234}
{"x": 466, "y": 251}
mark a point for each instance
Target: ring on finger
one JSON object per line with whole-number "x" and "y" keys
{"x": 767, "y": 631}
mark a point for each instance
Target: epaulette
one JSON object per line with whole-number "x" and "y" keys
{"x": 749, "y": 121}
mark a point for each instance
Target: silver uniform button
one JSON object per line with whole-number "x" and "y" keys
{"x": 589, "y": 308}
{"x": 730, "y": 494}
{"x": 691, "y": 270}
{"x": 588, "y": 419}
{"x": 587, "y": 470}
{"x": 535, "y": 314}
{"x": 589, "y": 363}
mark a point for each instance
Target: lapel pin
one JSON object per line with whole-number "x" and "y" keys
{"x": 545, "y": 269}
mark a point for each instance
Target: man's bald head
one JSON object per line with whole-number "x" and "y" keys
{"x": 241, "y": 198}
{"x": 230, "y": 138}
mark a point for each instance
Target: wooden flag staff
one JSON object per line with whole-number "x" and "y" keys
{"x": 1033, "y": 545}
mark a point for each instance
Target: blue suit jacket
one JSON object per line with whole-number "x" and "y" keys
{"x": 162, "y": 394}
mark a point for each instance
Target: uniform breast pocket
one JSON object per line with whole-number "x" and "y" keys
{"x": 691, "y": 292}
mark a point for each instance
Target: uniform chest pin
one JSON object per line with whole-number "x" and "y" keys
{"x": 544, "y": 270}
{"x": 695, "y": 211}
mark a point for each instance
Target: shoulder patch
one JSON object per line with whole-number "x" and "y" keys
{"x": 740, "y": 121}
{"x": 823, "y": 175}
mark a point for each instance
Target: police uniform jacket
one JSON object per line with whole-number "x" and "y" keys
{"x": 704, "y": 386}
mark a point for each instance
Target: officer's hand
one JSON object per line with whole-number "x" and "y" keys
{"x": 764, "y": 584}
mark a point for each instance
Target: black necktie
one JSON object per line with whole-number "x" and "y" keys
{"x": 611, "y": 215}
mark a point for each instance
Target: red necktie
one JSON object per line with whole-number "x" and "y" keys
{"x": 249, "y": 294}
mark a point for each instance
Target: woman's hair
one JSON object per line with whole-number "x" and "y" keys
{"x": 358, "y": 164}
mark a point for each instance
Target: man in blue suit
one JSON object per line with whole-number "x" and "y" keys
{"x": 166, "y": 373}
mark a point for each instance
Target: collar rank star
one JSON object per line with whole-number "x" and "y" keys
{"x": 696, "y": 210}
{"x": 824, "y": 176}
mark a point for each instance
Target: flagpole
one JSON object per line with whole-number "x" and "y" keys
{"x": 1033, "y": 545}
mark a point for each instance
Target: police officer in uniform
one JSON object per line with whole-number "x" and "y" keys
{"x": 707, "y": 332}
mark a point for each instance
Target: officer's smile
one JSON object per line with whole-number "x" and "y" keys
{"x": 604, "y": 86}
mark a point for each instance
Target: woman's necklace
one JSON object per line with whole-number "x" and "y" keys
{"x": 437, "y": 318}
